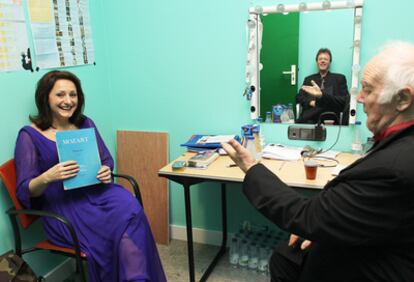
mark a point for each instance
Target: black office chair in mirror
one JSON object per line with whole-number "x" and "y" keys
{"x": 304, "y": 58}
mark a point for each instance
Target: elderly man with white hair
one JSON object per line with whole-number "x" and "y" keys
{"x": 361, "y": 226}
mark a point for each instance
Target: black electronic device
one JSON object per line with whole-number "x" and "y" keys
{"x": 306, "y": 132}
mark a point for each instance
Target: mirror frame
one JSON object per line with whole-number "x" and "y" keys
{"x": 255, "y": 29}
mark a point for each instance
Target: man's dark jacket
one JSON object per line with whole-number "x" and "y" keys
{"x": 335, "y": 98}
{"x": 361, "y": 224}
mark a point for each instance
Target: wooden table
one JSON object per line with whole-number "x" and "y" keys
{"x": 290, "y": 172}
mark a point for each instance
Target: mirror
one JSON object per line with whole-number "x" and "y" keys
{"x": 283, "y": 43}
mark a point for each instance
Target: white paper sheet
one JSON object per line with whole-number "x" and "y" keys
{"x": 13, "y": 35}
{"x": 281, "y": 152}
{"x": 61, "y": 33}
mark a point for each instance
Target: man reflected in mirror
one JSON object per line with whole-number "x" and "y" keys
{"x": 323, "y": 92}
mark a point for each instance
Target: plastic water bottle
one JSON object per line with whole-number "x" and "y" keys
{"x": 251, "y": 147}
{"x": 291, "y": 114}
{"x": 253, "y": 257}
{"x": 284, "y": 117}
{"x": 244, "y": 254}
{"x": 277, "y": 112}
{"x": 234, "y": 253}
{"x": 268, "y": 117}
{"x": 263, "y": 264}
{"x": 357, "y": 144}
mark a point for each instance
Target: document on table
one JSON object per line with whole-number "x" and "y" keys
{"x": 216, "y": 139}
{"x": 280, "y": 152}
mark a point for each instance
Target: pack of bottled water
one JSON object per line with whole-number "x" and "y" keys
{"x": 252, "y": 246}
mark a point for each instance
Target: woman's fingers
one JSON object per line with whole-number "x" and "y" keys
{"x": 104, "y": 174}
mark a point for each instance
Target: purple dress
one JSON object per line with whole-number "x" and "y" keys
{"x": 110, "y": 224}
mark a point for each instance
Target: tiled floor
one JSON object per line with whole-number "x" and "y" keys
{"x": 175, "y": 262}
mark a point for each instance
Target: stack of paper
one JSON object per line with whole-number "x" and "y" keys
{"x": 285, "y": 153}
{"x": 280, "y": 152}
{"x": 202, "y": 159}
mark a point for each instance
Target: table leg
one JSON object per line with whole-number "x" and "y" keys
{"x": 222, "y": 250}
{"x": 189, "y": 227}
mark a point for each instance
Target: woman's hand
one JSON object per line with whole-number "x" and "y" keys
{"x": 61, "y": 171}
{"x": 104, "y": 174}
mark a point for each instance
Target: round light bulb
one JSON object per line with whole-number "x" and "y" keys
{"x": 354, "y": 91}
{"x": 302, "y": 7}
{"x": 251, "y": 23}
{"x": 355, "y": 68}
{"x": 258, "y": 9}
{"x": 350, "y": 3}
{"x": 358, "y": 19}
{"x": 280, "y": 8}
{"x": 326, "y": 5}
{"x": 357, "y": 43}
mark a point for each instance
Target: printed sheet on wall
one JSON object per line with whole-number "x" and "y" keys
{"x": 61, "y": 32}
{"x": 13, "y": 35}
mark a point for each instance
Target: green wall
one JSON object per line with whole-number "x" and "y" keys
{"x": 178, "y": 67}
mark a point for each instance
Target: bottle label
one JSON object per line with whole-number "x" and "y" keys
{"x": 356, "y": 146}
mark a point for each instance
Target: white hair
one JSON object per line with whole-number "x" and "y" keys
{"x": 397, "y": 58}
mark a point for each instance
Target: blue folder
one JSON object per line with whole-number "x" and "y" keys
{"x": 192, "y": 143}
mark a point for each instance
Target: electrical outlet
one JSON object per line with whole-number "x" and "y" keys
{"x": 306, "y": 132}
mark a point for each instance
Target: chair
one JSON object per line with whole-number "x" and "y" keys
{"x": 28, "y": 216}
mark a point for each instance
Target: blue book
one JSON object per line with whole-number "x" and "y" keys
{"x": 196, "y": 141}
{"x": 80, "y": 146}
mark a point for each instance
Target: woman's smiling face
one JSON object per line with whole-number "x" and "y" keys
{"x": 63, "y": 99}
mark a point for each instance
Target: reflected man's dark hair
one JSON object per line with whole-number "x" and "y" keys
{"x": 44, "y": 118}
{"x": 324, "y": 50}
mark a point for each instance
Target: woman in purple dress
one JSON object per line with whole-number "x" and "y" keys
{"x": 109, "y": 222}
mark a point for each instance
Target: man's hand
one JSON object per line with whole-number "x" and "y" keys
{"x": 312, "y": 103}
{"x": 313, "y": 90}
{"x": 239, "y": 155}
{"x": 104, "y": 174}
{"x": 293, "y": 240}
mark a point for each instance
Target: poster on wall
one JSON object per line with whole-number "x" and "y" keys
{"x": 61, "y": 33}
{"x": 13, "y": 35}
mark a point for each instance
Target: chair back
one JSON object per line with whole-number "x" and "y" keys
{"x": 8, "y": 176}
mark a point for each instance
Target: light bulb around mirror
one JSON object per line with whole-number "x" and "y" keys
{"x": 355, "y": 68}
{"x": 302, "y": 7}
{"x": 354, "y": 91}
{"x": 358, "y": 19}
{"x": 280, "y": 8}
{"x": 258, "y": 9}
{"x": 350, "y": 3}
{"x": 326, "y": 5}
{"x": 357, "y": 43}
{"x": 251, "y": 24}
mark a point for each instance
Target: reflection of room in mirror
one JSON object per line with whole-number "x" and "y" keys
{"x": 291, "y": 40}
{"x": 331, "y": 29}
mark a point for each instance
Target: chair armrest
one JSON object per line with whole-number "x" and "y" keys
{"x": 134, "y": 185}
{"x": 13, "y": 213}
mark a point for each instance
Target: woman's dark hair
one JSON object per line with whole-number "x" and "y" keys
{"x": 44, "y": 118}
{"x": 326, "y": 51}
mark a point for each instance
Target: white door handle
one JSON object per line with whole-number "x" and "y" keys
{"x": 292, "y": 74}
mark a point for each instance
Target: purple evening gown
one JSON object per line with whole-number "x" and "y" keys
{"x": 111, "y": 226}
